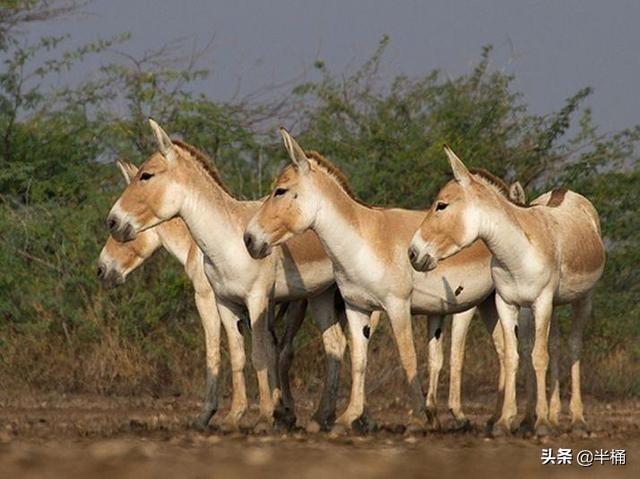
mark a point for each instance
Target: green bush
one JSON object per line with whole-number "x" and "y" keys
{"x": 60, "y": 330}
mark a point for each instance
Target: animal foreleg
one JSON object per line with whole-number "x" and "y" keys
{"x": 400, "y": 318}
{"x": 359, "y": 331}
{"x": 231, "y": 315}
{"x": 208, "y": 311}
{"x": 263, "y": 357}
{"x": 459, "y": 328}
{"x": 508, "y": 320}
{"x": 436, "y": 359}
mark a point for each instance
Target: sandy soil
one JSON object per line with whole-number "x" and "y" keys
{"x": 86, "y": 436}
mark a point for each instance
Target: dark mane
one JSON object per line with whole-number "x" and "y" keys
{"x": 496, "y": 183}
{"x": 206, "y": 162}
{"x": 338, "y": 175}
{"x": 486, "y": 175}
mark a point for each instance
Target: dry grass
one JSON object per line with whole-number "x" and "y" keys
{"x": 163, "y": 364}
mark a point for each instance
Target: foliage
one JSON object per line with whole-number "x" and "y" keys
{"x": 56, "y": 185}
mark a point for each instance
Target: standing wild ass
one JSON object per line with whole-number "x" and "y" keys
{"x": 368, "y": 249}
{"x": 118, "y": 260}
{"x": 548, "y": 254}
{"x": 178, "y": 180}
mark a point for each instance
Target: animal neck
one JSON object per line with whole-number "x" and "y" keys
{"x": 338, "y": 221}
{"x": 175, "y": 238}
{"x": 213, "y": 217}
{"x": 502, "y": 232}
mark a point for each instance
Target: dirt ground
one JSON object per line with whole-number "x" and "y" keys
{"x": 94, "y": 436}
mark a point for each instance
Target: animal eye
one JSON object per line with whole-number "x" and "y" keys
{"x": 146, "y": 176}
{"x": 441, "y": 206}
{"x": 279, "y": 191}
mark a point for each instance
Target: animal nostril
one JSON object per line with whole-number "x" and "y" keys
{"x": 412, "y": 254}
{"x": 100, "y": 271}
{"x": 248, "y": 240}
{"x": 112, "y": 223}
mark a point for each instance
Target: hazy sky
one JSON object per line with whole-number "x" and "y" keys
{"x": 554, "y": 47}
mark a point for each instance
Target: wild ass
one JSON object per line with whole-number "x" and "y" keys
{"x": 548, "y": 254}
{"x": 178, "y": 180}
{"x": 368, "y": 249}
{"x": 118, "y": 260}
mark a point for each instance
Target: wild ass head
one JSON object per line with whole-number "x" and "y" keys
{"x": 156, "y": 193}
{"x": 454, "y": 220}
{"x": 291, "y": 207}
{"x": 117, "y": 260}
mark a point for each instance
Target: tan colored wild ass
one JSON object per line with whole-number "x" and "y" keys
{"x": 545, "y": 255}
{"x": 178, "y": 180}
{"x": 118, "y": 260}
{"x": 368, "y": 248}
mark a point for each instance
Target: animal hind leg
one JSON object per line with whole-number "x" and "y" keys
{"x": 581, "y": 312}
{"x": 326, "y": 310}
{"x": 525, "y": 340}
{"x": 285, "y": 410}
{"x": 555, "y": 405}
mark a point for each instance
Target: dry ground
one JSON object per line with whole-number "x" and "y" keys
{"x": 94, "y": 436}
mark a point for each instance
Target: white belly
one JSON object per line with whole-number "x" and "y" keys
{"x": 458, "y": 291}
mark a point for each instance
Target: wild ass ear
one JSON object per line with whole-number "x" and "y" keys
{"x": 296, "y": 153}
{"x": 460, "y": 172}
{"x": 162, "y": 139}
{"x": 517, "y": 194}
{"x": 127, "y": 169}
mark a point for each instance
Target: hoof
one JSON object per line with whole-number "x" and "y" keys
{"x": 319, "y": 423}
{"x": 285, "y": 419}
{"x": 231, "y": 423}
{"x": 434, "y": 425}
{"x": 229, "y": 427}
{"x": 500, "y": 429}
{"x": 364, "y": 424}
{"x": 462, "y": 425}
{"x": 313, "y": 427}
{"x": 488, "y": 427}
{"x": 580, "y": 429}
{"x": 543, "y": 429}
{"x": 201, "y": 423}
{"x": 263, "y": 426}
{"x": 526, "y": 427}
{"x": 339, "y": 430}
